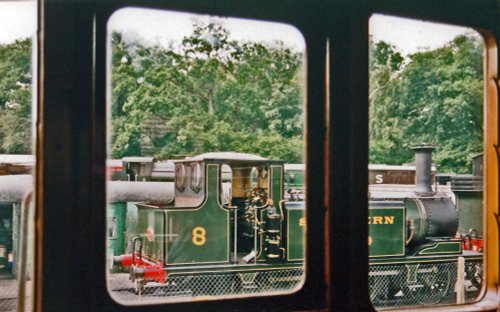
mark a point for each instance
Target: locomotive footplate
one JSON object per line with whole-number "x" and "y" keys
{"x": 228, "y": 281}
{"x": 202, "y": 284}
{"x": 224, "y": 280}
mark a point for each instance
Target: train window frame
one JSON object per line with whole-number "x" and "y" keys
{"x": 20, "y": 161}
{"x": 304, "y": 291}
{"x": 72, "y": 127}
{"x": 427, "y": 189}
{"x": 180, "y": 171}
{"x": 196, "y": 177}
{"x": 257, "y": 205}
{"x": 489, "y": 291}
{"x": 491, "y": 198}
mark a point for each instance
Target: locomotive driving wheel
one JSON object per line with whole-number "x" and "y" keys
{"x": 428, "y": 284}
{"x": 474, "y": 273}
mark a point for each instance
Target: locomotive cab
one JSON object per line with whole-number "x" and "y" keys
{"x": 250, "y": 201}
{"x": 250, "y": 186}
{"x": 240, "y": 191}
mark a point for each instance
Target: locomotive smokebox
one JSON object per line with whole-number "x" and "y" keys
{"x": 434, "y": 214}
{"x": 423, "y": 165}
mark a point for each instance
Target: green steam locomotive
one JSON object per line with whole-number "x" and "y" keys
{"x": 220, "y": 234}
{"x": 230, "y": 228}
{"x": 416, "y": 256}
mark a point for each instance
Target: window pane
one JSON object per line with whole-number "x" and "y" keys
{"x": 206, "y": 115}
{"x": 17, "y": 30}
{"x": 426, "y": 183}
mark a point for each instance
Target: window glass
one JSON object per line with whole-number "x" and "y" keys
{"x": 17, "y": 30}
{"x": 204, "y": 113}
{"x": 425, "y": 218}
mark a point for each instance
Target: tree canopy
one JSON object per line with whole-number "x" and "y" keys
{"x": 15, "y": 97}
{"x": 434, "y": 97}
{"x": 209, "y": 94}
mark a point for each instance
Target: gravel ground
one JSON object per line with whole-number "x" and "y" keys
{"x": 8, "y": 295}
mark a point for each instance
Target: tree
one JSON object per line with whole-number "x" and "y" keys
{"x": 435, "y": 98}
{"x": 385, "y": 135}
{"x": 209, "y": 94}
{"x": 15, "y": 97}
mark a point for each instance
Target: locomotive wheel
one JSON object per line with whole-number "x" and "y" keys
{"x": 235, "y": 285}
{"x": 474, "y": 273}
{"x": 384, "y": 290}
{"x": 431, "y": 286}
{"x": 246, "y": 283}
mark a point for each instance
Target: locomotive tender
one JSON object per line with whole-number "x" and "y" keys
{"x": 236, "y": 235}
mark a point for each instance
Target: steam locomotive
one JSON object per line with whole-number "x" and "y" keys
{"x": 230, "y": 231}
{"x": 220, "y": 236}
{"x": 415, "y": 254}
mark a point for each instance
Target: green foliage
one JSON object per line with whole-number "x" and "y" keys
{"x": 214, "y": 94}
{"x": 435, "y": 98}
{"x": 15, "y": 97}
{"x": 208, "y": 94}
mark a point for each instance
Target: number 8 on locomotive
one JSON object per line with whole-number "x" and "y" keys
{"x": 199, "y": 236}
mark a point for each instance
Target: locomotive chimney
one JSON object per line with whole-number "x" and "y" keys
{"x": 423, "y": 164}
